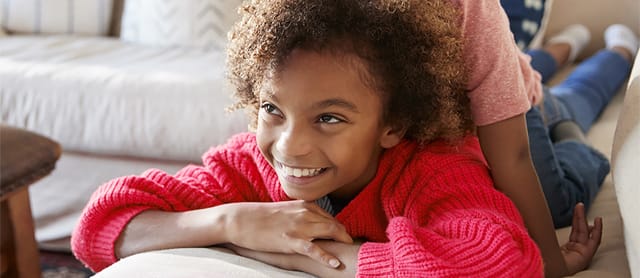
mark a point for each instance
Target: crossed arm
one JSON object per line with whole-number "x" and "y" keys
{"x": 583, "y": 240}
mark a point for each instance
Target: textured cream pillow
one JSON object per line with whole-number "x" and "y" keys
{"x": 186, "y": 23}
{"x": 87, "y": 17}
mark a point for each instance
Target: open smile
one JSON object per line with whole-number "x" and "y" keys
{"x": 298, "y": 172}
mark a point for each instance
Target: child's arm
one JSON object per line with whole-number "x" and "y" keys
{"x": 136, "y": 214}
{"x": 275, "y": 227}
{"x": 115, "y": 203}
{"x": 506, "y": 147}
{"x": 457, "y": 224}
{"x": 186, "y": 210}
{"x": 582, "y": 239}
{"x": 156, "y": 230}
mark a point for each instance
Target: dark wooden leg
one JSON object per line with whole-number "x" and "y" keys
{"x": 7, "y": 249}
{"x": 22, "y": 256}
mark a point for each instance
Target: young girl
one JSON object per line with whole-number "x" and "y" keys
{"x": 358, "y": 106}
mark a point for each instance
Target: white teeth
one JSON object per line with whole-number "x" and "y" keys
{"x": 300, "y": 172}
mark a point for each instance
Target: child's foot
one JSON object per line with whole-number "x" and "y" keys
{"x": 567, "y": 130}
{"x": 620, "y": 36}
{"x": 576, "y": 35}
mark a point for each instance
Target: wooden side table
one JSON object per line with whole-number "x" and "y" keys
{"x": 25, "y": 157}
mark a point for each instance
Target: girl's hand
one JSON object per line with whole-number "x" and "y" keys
{"x": 284, "y": 227}
{"x": 348, "y": 253}
{"x": 583, "y": 241}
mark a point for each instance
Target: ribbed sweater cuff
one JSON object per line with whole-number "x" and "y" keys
{"x": 375, "y": 260}
{"x": 103, "y": 250}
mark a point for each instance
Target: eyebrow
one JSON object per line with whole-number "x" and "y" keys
{"x": 326, "y": 103}
{"x": 336, "y": 102}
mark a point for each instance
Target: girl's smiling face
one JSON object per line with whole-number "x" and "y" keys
{"x": 320, "y": 126}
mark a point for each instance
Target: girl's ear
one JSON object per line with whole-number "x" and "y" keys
{"x": 391, "y": 136}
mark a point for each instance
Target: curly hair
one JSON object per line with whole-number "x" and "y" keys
{"x": 412, "y": 49}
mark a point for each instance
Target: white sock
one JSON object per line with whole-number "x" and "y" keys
{"x": 576, "y": 35}
{"x": 622, "y": 36}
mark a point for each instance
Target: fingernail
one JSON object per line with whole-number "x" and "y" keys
{"x": 334, "y": 263}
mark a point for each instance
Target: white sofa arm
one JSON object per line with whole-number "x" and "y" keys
{"x": 626, "y": 163}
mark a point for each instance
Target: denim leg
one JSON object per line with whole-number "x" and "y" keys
{"x": 591, "y": 86}
{"x": 585, "y": 169}
{"x": 544, "y": 63}
{"x": 569, "y": 172}
{"x": 553, "y": 110}
{"x": 558, "y": 195}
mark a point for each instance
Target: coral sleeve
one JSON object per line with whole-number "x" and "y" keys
{"x": 115, "y": 203}
{"x": 502, "y": 83}
{"x": 457, "y": 226}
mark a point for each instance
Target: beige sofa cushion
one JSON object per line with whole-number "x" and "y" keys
{"x": 194, "y": 262}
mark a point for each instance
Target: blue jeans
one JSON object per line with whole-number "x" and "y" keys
{"x": 570, "y": 171}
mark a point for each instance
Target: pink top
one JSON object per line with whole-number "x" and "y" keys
{"x": 429, "y": 211}
{"x": 502, "y": 83}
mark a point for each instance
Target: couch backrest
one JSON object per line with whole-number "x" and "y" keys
{"x": 625, "y": 160}
{"x": 34, "y": 17}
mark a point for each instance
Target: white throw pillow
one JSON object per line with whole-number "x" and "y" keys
{"x": 201, "y": 24}
{"x": 87, "y": 17}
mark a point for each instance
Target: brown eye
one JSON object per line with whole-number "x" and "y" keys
{"x": 271, "y": 109}
{"x": 329, "y": 119}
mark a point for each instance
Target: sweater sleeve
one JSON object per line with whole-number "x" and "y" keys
{"x": 456, "y": 225}
{"x": 502, "y": 83}
{"x": 116, "y": 202}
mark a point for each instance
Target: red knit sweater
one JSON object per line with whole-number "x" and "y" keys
{"x": 429, "y": 212}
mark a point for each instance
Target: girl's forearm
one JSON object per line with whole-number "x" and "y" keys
{"x": 506, "y": 147}
{"x": 154, "y": 230}
{"x": 531, "y": 203}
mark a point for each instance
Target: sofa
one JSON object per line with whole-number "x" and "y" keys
{"x": 125, "y": 100}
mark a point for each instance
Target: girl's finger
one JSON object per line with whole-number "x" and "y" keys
{"x": 596, "y": 233}
{"x": 579, "y": 228}
{"x": 313, "y": 251}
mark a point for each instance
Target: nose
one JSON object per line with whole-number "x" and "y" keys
{"x": 294, "y": 141}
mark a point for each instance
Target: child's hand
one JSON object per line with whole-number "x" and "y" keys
{"x": 285, "y": 227}
{"x": 583, "y": 241}
{"x": 348, "y": 253}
